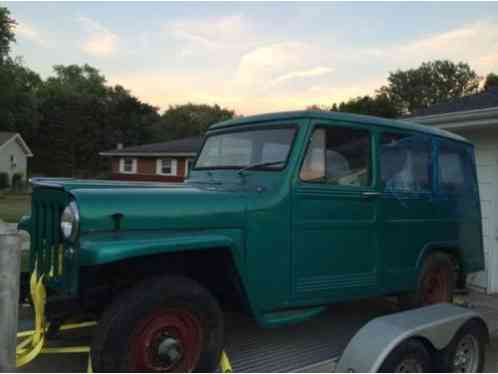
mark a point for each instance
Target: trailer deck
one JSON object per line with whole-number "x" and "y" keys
{"x": 311, "y": 346}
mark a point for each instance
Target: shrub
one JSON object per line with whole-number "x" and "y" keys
{"x": 4, "y": 181}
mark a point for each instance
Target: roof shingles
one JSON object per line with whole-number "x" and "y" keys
{"x": 185, "y": 145}
{"x": 482, "y": 100}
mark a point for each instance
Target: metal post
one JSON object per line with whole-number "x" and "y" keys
{"x": 10, "y": 267}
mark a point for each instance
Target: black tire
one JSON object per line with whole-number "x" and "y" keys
{"x": 474, "y": 330}
{"x": 158, "y": 307}
{"x": 436, "y": 265}
{"x": 405, "y": 356}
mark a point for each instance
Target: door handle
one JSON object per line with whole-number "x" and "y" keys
{"x": 370, "y": 194}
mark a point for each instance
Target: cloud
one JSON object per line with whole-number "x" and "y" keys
{"x": 210, "y": 33}
{"x": 100, "y": 41}
{"x": 26, "y": 31}
{"x": 474, "y": 43}
{"x": 310, "y": 73}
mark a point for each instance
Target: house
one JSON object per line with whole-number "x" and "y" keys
{"x": 476, "y": 118}
{"x": 163, "y": 162}
{"x": 14, "y": 154}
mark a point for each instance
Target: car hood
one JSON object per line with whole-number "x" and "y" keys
{"x": 179, "y": 207}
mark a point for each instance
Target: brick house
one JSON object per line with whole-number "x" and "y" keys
{"x": 162, "y": 162}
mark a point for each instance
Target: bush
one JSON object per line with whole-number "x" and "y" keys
{"x": 4, "y": 181}
{"x": 17, "y": 179}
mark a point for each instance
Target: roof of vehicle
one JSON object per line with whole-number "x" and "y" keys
{"x": 338, "y": 116}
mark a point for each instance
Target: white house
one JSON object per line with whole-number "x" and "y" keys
{"x": 14, "y": 154}
{"x": 476, "y": 118}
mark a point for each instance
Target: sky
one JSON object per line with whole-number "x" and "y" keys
{"x": 253, "y": 57}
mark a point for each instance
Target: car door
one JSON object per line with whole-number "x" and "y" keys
{"x": 334, "y": 249}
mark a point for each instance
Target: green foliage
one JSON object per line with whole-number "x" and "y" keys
{"x": 181, "y": 121}
{"x": 379, "y": 105}
{"x": 81, "y": 116}
{"x": 408, "y": 90}
{"x": 430, "y": 83}
{"x": 491, "y": 81}
{"x": 4, "y": 181}
{"x": 6, "y": 33}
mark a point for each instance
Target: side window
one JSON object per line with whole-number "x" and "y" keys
{"x": 455, "y": 168}
{"x": 405, "y": 162}
{"x": 338, "y": 156}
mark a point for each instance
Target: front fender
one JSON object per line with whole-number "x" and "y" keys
{"x": 102, "y": 248}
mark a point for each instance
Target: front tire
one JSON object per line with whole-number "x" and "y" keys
{"x": 165, "y": 324}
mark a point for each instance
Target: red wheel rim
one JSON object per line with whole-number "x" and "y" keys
{"x": 169, "y": 340}
{"x": 436, "y": 285}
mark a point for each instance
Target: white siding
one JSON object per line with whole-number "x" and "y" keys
{"x": 12, "y": 148}
{"x": 486, "y": 145}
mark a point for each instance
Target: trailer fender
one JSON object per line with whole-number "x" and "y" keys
{"x": 372, "y": 343}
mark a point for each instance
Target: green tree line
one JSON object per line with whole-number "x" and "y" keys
{"x": 71, "y": 116}
{"x": 408, "y": 90}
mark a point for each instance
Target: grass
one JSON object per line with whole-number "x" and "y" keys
{"x": 13, "y": 206}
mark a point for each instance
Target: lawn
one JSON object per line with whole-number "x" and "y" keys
{"x": 13, "y": 206}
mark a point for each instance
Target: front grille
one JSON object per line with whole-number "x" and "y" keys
{"x": 46, "y": 243}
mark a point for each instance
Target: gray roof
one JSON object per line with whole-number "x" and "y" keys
{"x": 482, "y": 100}
{"x": 6, "y": 136}
{"x": 190, "y": 145}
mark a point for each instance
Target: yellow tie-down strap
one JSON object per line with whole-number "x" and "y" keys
{"x": 34, "y": 340}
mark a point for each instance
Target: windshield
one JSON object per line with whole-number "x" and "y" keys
{"x": 235, "y": 150}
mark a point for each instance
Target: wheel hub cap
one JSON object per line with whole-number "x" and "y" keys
{"x": 467, "y": 355}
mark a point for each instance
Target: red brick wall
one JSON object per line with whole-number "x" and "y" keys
{"x": 146, "y": 171}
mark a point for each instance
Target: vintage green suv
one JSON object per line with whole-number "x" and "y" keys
{"x": 281, "y": 215}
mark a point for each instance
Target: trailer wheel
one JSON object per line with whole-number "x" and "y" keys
{"x": 165, "y": 324}
{"x": 466, "y": 352}
{"x": 435, "y": 284}
{"x": 410, "y": 356}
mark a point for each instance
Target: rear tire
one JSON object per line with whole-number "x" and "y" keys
{"x": 410, "y": 356}
{"x": 164, "y": 324}
{"x": 466, "y": 352}
{"x": 435, "y": 284}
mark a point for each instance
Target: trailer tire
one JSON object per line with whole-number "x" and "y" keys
{"x": 435, "y": 283}
{"x": 168, "y": 323}
{"x": 410, "y": 356}
{"x": 466, "y": 352}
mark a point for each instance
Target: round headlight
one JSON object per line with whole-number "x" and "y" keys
{"x": 70, "y": 221}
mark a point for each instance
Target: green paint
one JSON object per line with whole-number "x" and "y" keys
{"x": 296, "y": 245}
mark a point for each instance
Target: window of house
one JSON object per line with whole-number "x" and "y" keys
{"x": 128, "y": 165}
{"x": 166, "y": 166}
{"x": 455, "y": 168}
{"x": 338, "y": 156}
{"x": 405, "y": 162}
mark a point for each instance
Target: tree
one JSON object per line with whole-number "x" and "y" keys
{"x": 430, "y": 83}
{"x": 82, "y": 116}
{"x": 378, "y": 105}
{"x": 6, "y": 33}
{"x": 181, "y": 121}
{"x": 491, "y": 81}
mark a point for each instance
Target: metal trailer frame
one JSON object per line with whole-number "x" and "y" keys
{"x": 435, "y": 324}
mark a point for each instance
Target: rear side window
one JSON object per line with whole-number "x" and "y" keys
{"x": 455, "y": 168}
{"x": 405, "y": 162}
{"x": 338, "y": 156}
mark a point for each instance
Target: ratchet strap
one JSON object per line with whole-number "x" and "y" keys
{"x": 32, "y": 342}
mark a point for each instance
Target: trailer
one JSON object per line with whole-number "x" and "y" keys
{"x": 322, "y": 344}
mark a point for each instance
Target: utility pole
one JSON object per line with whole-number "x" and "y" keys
{"x": 10, "y": 267}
